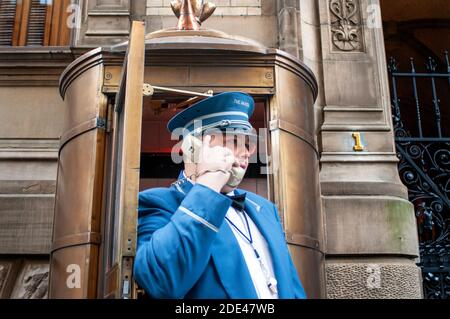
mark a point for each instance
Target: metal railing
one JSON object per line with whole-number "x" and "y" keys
{"x": 420, "y": 113}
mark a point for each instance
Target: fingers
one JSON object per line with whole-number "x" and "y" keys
{"x": 215, "y": 157}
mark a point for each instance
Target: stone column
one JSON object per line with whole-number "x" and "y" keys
{"x": 105, "y": 22}
{"x": 289, "y": 27}
{"x": 371, "y": 234}
{"x": 138, "y": 10}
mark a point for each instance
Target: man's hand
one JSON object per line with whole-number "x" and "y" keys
{"x": 215, "y": 163}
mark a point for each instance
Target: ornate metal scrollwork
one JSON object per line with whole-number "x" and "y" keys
{"x": 424, "y": 167}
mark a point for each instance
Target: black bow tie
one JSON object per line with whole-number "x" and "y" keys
{"x": 238, "y": 201}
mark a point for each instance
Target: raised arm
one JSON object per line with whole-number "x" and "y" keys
{"x": 174, "y": 248}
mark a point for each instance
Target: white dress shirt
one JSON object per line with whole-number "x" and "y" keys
{"x": 260, "y": 244}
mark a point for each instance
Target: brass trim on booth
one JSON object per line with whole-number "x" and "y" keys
{"x": 78, "y": 67}
{"x": 304, "y": 241}
{"x": 77, "y": 239}
{"x": 295, "y": 130}
{"x": 96, "y": 122}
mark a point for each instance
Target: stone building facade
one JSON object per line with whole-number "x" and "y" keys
{"x": 369, "y": 226}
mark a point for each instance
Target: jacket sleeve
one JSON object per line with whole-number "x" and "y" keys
{"x": 174, "y": 248}
{"x": 299, "y": 292}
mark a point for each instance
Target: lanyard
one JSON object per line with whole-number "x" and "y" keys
{"x": 270, "y": 280}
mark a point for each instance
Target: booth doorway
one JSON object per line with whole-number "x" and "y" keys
{"x": 158, "y": 169}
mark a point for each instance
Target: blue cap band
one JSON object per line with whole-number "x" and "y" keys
{"x": 229, "y": 111}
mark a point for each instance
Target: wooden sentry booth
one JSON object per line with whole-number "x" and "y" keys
{"x": 94, "y": 233}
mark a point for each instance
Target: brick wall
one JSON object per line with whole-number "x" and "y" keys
{"x": 224, "y": 7}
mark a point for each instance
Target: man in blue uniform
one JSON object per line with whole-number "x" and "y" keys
{"x": 203, "y": 237}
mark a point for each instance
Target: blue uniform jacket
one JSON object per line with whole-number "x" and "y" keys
{"x": 186, "y": 250}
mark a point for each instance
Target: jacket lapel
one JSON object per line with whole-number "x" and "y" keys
{"x": 231, "y": 266}
{"x": 277, "y": 246}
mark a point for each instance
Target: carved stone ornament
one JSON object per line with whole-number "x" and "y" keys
{"x": 32, "y": 283}
{"x": 4, "y": 268}
{"x": 345, "y": 25}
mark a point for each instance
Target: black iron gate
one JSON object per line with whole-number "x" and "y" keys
{"x": 420, "y": 111}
